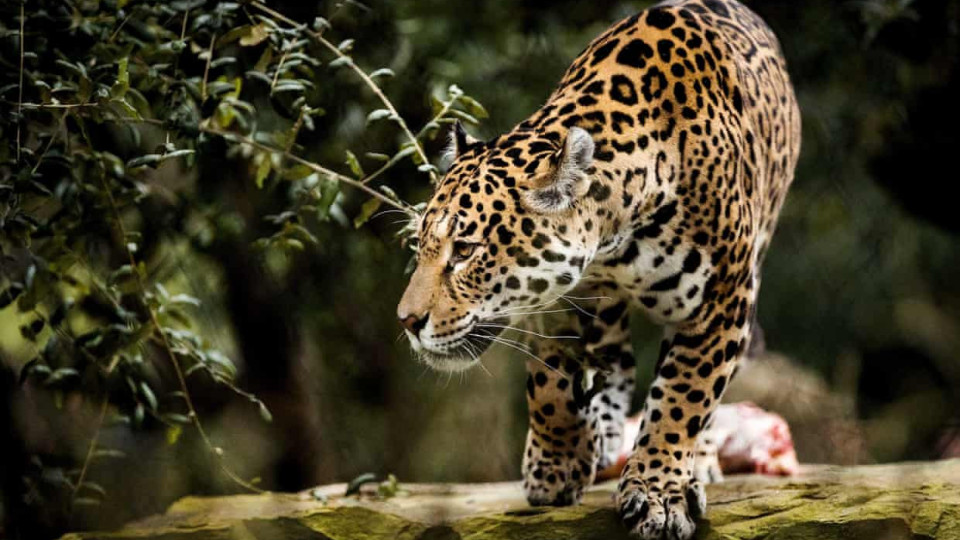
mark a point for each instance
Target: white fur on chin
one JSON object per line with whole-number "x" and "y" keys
{"x": 448, "y": 364}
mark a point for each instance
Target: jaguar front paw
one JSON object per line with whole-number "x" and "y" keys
{"x": 653, "y": 512}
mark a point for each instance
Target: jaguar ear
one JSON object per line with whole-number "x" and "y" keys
{"x": 570, "y": 179}
{"x": 459, "y": 141}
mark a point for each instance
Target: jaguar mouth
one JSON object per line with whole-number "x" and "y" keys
{"x": 463, "y": 353}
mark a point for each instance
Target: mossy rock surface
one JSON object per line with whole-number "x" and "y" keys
{"x": 876, "y": 502}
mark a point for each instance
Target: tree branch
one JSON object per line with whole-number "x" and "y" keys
{"x": 363, "y": 76}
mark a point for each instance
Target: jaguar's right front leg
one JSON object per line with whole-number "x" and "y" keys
{"x": 578, "y": 392}
{"x": 561, "y": 453}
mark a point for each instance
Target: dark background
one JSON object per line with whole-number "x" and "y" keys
{"x": 861, "y": 292}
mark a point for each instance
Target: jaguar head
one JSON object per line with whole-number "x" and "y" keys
{"x": 507, "y": 232}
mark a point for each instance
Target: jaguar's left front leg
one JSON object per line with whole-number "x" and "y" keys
{"x": 658, "y": 496}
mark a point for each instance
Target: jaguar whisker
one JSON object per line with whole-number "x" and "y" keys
{"x": 543, "y": 312}
{"x": 531, "y": 332}
{"x": 501, "y": 341}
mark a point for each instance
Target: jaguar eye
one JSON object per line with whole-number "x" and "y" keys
{"x": 463, "y": 250}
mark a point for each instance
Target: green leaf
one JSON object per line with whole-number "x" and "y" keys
{"x": 176, "y": 418}
{"x": 265, "y": 412}
{"x": 94, "y": 487}
{"x": 300, "y": 232}
{"x": 263, "y": 171}
{"x": 61, "y": 374}
{"x": 194, "y": 368}
{"x": 390, "y": 193}
{"x": 173, "y": 434}
{"x": 292, "y": 244}
{"x": 354, "y": 164}
{"x": 430, "y": 130}
{"x": 138, "y": 414}
{"x": 108, "y": 453}
{"x": 345, "y": 45}
{"x": 466, "y": 117}
{"x": 383, "y": 158}
{"x": 145, "y": 160}
{"x": 366, "y": 211}
{"x": 122, "y": 273}
{"x": 232, "y": 35}
{"x": 254, "y": 35}
{"x": 185, "y": 299}
{"x": 378, "y": 114}
{"x": 404, "y": 152}
{"x": 119, "y": 88}
{"x": 218, "y": 88}
{"x": 340, "y": 62}
{"x": 298, "y": 171}
{"x": 148, "y": 395}
{"x": 328, "y": 195}
{"x": 289, "y": 85}
{"x": 436, "y": 105}
{"x": 382, "y": 72}
{"x": 76, "y": 69}
{"x": 178, "y": 153}
{"x": 474, "y": 107}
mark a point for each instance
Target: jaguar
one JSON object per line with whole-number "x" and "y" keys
{"x": 649, "y": 182}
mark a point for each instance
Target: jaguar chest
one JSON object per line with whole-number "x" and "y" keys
{"x": 663, "y": 279}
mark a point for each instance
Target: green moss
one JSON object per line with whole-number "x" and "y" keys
{"x": 357, "y": 523}
{"x": 560, "y": 524}
{"x": 916, "y": 501}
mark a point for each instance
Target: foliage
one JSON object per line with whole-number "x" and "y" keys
{"x": 111, "y": 105}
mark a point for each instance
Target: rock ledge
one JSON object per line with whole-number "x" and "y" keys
{"x": 875, "y": 502}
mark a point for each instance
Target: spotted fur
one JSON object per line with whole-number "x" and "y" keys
{"x": 651, "y": 179}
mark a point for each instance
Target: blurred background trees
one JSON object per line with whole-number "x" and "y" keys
{"x": 148, "y": 210}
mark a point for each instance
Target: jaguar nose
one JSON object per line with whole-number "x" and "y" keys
{"x": 414, "y": 324}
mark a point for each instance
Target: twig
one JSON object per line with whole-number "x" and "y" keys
{"x": 206, "y": 69}
{"x": 243, "y": 139}
{"x": 443, "y": 111}
{"x": 53, "y": 138}
{"x": 40, "y": 106}
{"x": 183, "y": 27}
{"x": 176, "y": 63}
{"x": 117, "y": 31}
{"x": 276, "y": 73}
{"x": 378, "y": 172}
{"x": 90, "y": 450}
{"x": 20, "y": 97}
{"x": 363, "y": 76}
{"x": 295, "y": 130}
